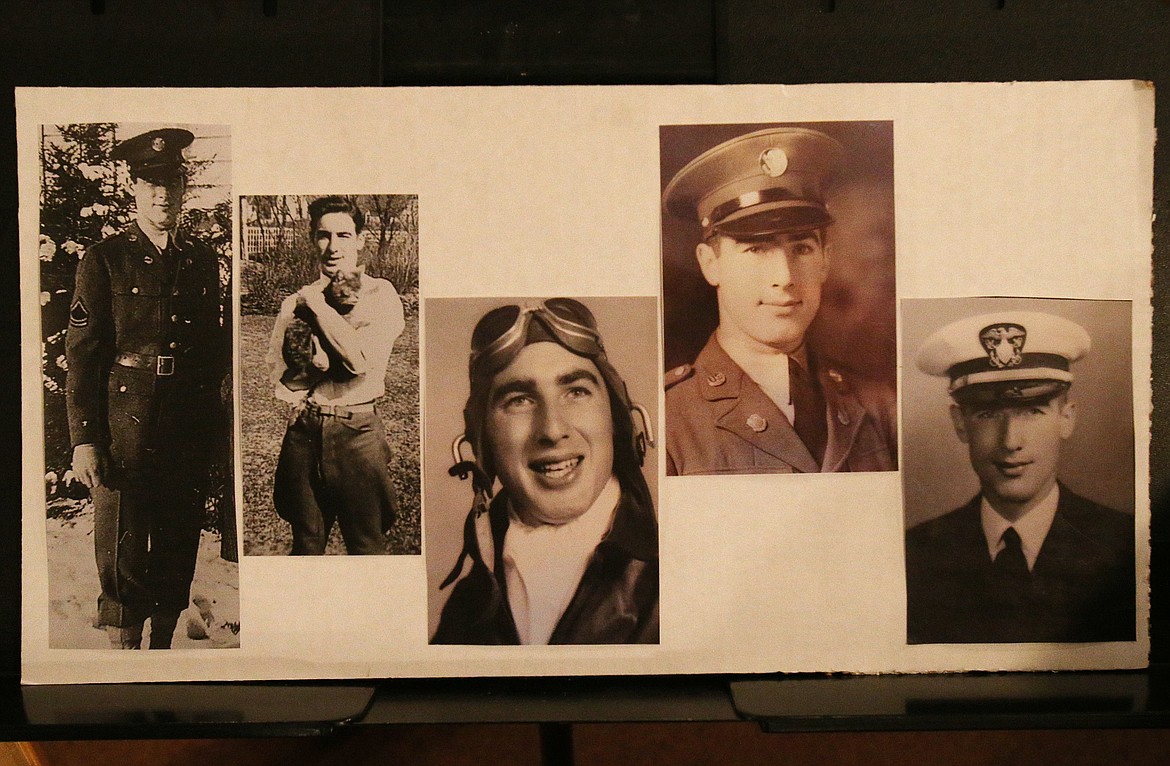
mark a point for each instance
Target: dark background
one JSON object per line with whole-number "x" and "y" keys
{"x": 467, "y": 42}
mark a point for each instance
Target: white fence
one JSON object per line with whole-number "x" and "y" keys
{"x": 257, "y": 239}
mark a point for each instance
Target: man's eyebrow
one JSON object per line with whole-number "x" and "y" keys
{"x": 518, "y": 386}
{"x": 576, "y": 375}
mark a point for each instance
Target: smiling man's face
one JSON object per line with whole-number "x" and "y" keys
{"x": 550, "y": 433}
{"x": 158, "y": 202}
{"x": 1015, "y": 449}
{"x": 769, "y": 288}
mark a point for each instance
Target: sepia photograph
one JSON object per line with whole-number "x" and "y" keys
{"x": 778, "y": 288}
{"x": 135, "y": 274}
{"x": 1018, "y": 470}
{"x": 541, "y": 471}
{"x": 329, "y": 374}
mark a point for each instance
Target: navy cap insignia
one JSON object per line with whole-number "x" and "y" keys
{"x": 773, "y": 162}
{"x": 158, "y": 144}
{"x": 78, "y": 314}
{"x": 1004, "y": 344}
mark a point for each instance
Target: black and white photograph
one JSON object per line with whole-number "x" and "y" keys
{"x": 778, "y": 291}
{"x": 541, "y": 471}
{"x": 1018, "y": 470}
{"x": 135, "y": 276}
{"x": 329, "y": 374}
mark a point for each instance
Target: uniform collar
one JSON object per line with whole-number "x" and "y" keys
{"x": 1032, "y": 527}
{"x": 719, "y": 376}
{"x": 634, "y": 531}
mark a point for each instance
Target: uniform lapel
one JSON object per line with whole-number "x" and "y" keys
{"x": 845, "y": 416}
{"x": 746, "y": 410}
{"x": 1067, "y": 548}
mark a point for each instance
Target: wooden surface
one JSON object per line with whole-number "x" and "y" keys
{"x": 630, "y": 744}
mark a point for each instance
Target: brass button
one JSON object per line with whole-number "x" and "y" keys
{"x": 134, "y": 290}
{"x": 172, "y": 344}
{"x": 122, "y": 388}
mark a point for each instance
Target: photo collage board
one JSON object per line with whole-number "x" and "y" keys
{"x": 365, "y": 383}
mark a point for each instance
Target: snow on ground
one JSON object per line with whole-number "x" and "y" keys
{"x": 212, "y": 621}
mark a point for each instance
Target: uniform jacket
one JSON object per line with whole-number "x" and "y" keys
{"x": 616, "y": 601}
{"x": 711, "y": 406}
{"x": 131, "y": 299}
{"x": 1082, "y": 584}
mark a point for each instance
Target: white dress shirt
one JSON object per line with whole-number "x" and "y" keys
{"x": 1032, "y": 527}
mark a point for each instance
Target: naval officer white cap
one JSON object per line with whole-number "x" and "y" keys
{"x": 1005, "y": 357}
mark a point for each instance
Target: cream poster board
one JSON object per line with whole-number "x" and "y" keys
{"x": 512, "y": 195}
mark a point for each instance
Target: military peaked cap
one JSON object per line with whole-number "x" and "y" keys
{"x": 768, "y": 182}
{"x": 1006, "y": 358}
{"x": 156, "y": 155}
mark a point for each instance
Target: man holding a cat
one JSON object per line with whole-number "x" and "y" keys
{"x": 333, "y": 464}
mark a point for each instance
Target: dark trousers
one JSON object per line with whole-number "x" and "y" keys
{"x": 146, "y": 540}
{"x": 335, "y": 468}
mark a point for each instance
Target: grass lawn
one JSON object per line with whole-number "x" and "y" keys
{"x": 262, "y": 424}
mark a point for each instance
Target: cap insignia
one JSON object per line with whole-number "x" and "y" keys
{"x": 1004, "y": 344}
{"x": 158, "y": 144}
{"x": 774, "y": 162}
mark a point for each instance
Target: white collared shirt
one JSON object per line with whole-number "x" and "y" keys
{"x": 769, "y": 371}
{"x": 543, "y": 564}
{"x": 1032, "y": 527}
{"x": 378, "y": 319}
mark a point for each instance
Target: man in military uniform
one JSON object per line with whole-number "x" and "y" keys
{"x": 757, "y": 399}
{"x": 1027, "y": 559}
{"x": 149, "y": 353}
{"x": 567, "y": 551}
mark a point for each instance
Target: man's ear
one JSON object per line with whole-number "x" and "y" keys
{"x": 1068, "y": 418}
{"x": 959, "y": 423}
{"x": 826, "y": 254}
{"x": 709, "y": 262}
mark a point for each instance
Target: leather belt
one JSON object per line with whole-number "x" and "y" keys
{"x": 339, "y": 410}
{"x": 161, "y": 365}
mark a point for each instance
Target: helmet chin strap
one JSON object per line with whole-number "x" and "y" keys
{"x": 482, "y": 483}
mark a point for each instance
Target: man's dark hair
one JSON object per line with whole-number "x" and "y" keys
{"x": 323, "y": 206}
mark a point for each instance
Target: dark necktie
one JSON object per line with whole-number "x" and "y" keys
{"x": 1010, "y": 561}
{"x": 809, "y": 405}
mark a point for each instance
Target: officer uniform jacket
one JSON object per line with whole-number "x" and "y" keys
{"x": 1081, "y": 587}
{"x": 719, "y": 421}
{"x": 146, "y": 351}
{"x": 616, "y": 601}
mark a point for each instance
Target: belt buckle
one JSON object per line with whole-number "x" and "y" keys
{"x": 164, "y": 365}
